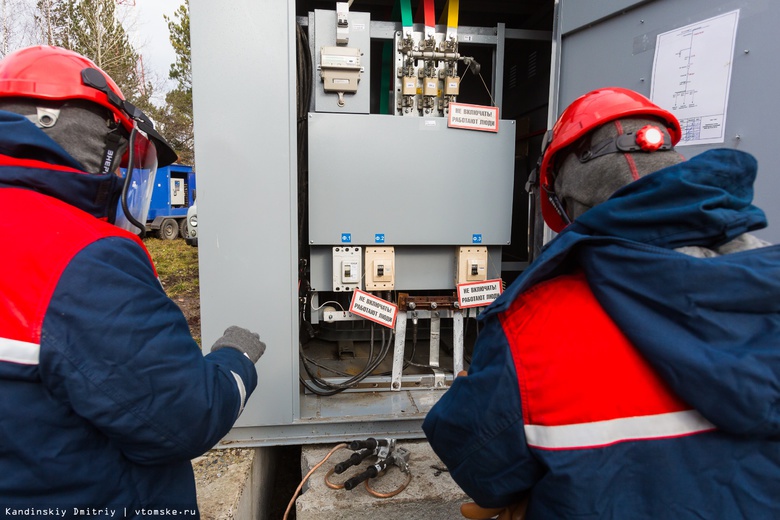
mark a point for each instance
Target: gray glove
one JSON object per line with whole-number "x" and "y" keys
{"x": 242, "y": 340}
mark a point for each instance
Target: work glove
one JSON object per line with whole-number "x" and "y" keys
{"x": 512, "y": 512}
{"x": 242, "y": 340}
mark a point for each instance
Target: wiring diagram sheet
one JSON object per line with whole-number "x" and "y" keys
{"x": 692, "y": 74}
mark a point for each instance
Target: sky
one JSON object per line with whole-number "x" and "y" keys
{"x": 150, "y": 36}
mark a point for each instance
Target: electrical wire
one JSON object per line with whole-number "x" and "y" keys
{"x": 304, "y": 75}
{"x": 325, "y": 367}
{"x": 332, "y": 485}
{"x": 371, "y": 491}
{"x": 312, "y": 470}
{"x": 327, "y": 302}
{"x": 320, "y": 386}
{"x": 370, "y": 367}
{"x": 377, "y": 494}
{"x": 492, "y": 101}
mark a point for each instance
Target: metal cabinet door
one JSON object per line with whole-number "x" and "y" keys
{"x": 600, "y": 43}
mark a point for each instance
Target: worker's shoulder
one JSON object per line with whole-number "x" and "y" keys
{"x": 564, "y": 290}
{"x": 49, "y": 229}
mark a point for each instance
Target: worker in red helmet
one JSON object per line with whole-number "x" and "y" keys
{"x": 633, "y": 370}
{"x": 637, "y": 126}
{"x": 106, "y": 397}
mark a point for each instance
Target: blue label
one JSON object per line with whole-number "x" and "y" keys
{"x": 379, "y": 238}
{"x": 476, "y": 238}
{"x": 346, "y": 238}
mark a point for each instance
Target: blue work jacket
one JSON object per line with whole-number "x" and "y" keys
{"x": 618, "y": 378}
{"x": 104, "y": 395}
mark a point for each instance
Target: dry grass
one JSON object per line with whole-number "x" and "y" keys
{"x": 177, "y": 267}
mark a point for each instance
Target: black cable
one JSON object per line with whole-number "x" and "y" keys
{"x": 303, "y": 90}
{"x": 324, "y": 367}
{"x": 329, "y": 388}
{"x": 304, "y": 74}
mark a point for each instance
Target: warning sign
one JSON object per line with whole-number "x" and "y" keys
{"x": 473, "y": 117}
{"x": 372, "y": 308}
{"x": 479, "y": 294}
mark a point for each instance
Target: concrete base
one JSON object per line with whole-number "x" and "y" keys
{"x": 234, "y": 484}
{"x": 254, "y": 503}
{"x": 431, "y": 494}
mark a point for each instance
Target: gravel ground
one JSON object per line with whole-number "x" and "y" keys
{"x": 220, "y": 476}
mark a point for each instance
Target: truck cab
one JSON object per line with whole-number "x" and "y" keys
{"x": 191, "y": 238}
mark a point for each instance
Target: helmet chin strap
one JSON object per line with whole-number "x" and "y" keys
{"x": 650, "y": 138}
{"x": 558, "y": 206}
{"x": 533, "y": 182}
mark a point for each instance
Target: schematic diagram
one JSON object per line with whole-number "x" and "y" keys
{"x": 692, "y": 74}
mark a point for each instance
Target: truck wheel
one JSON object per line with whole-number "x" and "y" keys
{"x": 169, "y": 229}
{"x": 183, "y": 228}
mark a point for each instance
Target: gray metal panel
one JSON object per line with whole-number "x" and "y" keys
{"x": 244, "y": 106}
{"x": 322, "y": 33}
{"x": 413, "y": 180}
{"x": 619, "y": 51}
{"x": 344, "y": 417}
{"x": 585, "y": 12}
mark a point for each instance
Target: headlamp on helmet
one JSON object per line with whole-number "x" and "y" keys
{"x": 583, "y": 116}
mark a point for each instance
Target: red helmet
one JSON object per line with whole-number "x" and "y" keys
{"x": 57, "y": 74}
{"x": 54, "y": 73}
{"x": 584, "y": 115}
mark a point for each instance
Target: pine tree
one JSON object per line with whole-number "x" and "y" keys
{"x": 95, "y": 32}
{"x": 177, "y": 121}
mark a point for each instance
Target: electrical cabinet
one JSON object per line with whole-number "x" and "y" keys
{"x": 333, "y": 211}
{"x": 177, "y": 192}
{"x": 313, "y": 194}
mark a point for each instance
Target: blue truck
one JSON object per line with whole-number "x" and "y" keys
{"x": 173, "y": 193}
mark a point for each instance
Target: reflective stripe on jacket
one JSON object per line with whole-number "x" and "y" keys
{"x": 619, "y": 378}
{"x": 106, "y": 396}
{"x": 588, "y": 387}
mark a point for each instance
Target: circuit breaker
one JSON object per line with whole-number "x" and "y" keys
{"x": 380, "y": 268}
{"x": 347, "y": 268}
{"x": 472, "y": 264}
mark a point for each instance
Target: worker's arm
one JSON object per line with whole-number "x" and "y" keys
{"x": 476, "y": 428}
{"x": 119, "y": 352}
